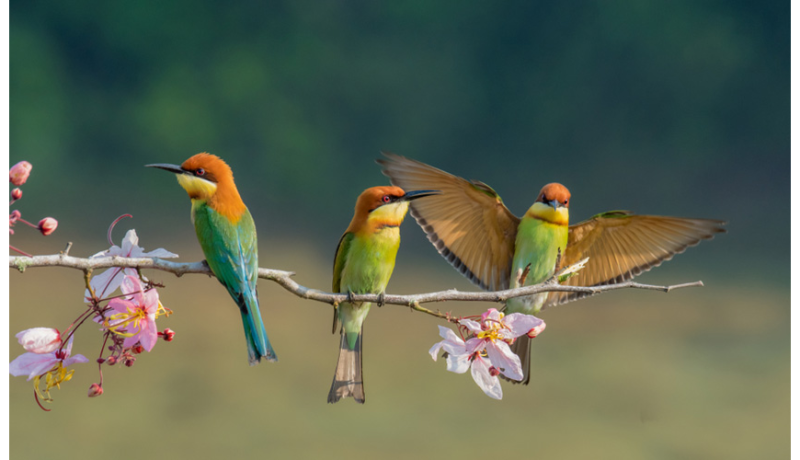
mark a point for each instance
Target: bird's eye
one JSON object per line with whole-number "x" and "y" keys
{"x": 386, "y": 198}
{"x": 566, "y": 202}
{"x": 200, "y": 172}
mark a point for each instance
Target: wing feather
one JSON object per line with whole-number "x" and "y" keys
{"x": 467, "y": 223}
{"x": 621, "y": 245}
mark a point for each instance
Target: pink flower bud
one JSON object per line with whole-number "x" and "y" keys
{"x": 100, "y": 360}
{"x": 47, "y": 225}
{"x": 494, "y": 372}
{"x": 111, "y": 360}
{"x": 129, "y": 362}
{"x": 16, "y": 194}
{"x": 14, "y": 216}
{"x": 95, "y": 390}
{"x": 40, "y": 340}
{"x": 537, "y": 330}
{"x": 19, "y": 173}
{"x": 138, "y": 348}
{"x": 168, "y": 334}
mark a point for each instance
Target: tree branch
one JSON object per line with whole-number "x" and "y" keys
{"x": 284, "y": 278}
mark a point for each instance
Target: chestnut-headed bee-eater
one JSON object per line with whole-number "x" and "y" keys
{"x": 363, "y": 264}
{"x": 471, "y": 227}
{"x": 227, "y": 234}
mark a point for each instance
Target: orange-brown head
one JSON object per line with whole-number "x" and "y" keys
{"x": 206, "y": 177}
{"x": 385, "y": 206}
{"x": 555, "y": 195}
{"x": 552, "y": 205}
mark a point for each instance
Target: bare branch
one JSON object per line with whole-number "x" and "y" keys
{"x": 284, "y": 278}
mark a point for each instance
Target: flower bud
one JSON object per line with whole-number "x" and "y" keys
{"x": 100, "y": 360}
{"x": 168, "y": 334}
{"x": 16, "y": 194}
{"x": 129, "y": 362}
{"x": 14, "y": 216}
{"x": 40, "y": 340}
{"x": 47, "y": 225}
{"x": 19, "y": 173}
{"x": 493, "y": 371}
{"x": 537, "y": 330}
{"x": 111, "y": 360}
{"x": 95, "y": 390}
{"x": 138, "y": 348}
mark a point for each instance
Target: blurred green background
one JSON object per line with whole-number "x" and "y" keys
{"x": 661, "y": 107}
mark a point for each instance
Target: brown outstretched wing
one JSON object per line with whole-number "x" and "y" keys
{"x": 621, "y": 245}
{"x": 467, "y": 223}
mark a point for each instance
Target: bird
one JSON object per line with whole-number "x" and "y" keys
{"x": 471, "y": 227}
{"x": 227, "y": 235}
{"x": 363, "y": 264}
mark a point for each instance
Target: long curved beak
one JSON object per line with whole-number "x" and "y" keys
{"x": 167, "y": 167}
{"x": 413, "y": 195}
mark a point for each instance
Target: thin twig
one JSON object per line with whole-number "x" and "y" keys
{"x": 284, "y": 279}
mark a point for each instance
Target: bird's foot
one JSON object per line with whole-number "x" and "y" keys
{"x": 350, "y": 295}
{"x": 381, "y": 299}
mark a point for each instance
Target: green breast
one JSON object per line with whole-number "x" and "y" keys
{"x": 370, "y": 261}
{"x": 537, "y": 244}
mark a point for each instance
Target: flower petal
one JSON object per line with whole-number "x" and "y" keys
{"x": 473, "y": 326}
{"x": 504, "y": 359}
{"x": 474, "y": 345}
{"x": 458, "y": 363}
{"x": 129, "y": 243}
{"x": 161, "y": 253}
{"x": 32, "y": 364}
{"x": 40, "y": 339}
{"x": 121, "y": 305}
{"x": 519, "y": 324}
{"x": 149, "y": 335}
{"x": 434, "y": 351}
{"x": 75, "y": 359}
{"x": 488, "y": 383}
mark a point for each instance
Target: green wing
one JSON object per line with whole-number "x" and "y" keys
{"x": 230, "y": 250}
{"x": 339, "y": 259}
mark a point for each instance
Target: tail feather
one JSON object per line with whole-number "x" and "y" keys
{"x": 522, "y": 348}
{"x": 258, "y": 345}
{"x": 348, "y": 380}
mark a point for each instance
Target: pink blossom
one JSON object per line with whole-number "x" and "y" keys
{"x": 135, "y": 317}
{"x": 40, "y": 340}
{"x": 95, "y": 390}
{"x": 47, "y": 226}
{"x": 487, "y": 352}
{"x": 168, "y": 335}
{"x": 38, "y": 364}
{"x": 107, "y": 282}
{"x": 462, "y": 356}
{"x": 19, "y": 173}
{"x": 16, "y": 194}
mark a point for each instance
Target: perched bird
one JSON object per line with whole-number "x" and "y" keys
{"x": 471, "y": 227}
{"x": 227, "y": 234}
{"x": 363, "y": 264}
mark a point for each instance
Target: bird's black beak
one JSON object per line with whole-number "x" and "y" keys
{"x": 413, "y": 195}
{"x": 167, "y": 167}
{"x": 554, "y": 203}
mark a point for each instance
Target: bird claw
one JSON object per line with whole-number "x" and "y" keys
{"x": 381, "y": 299}
{"x": 350, "y": 295}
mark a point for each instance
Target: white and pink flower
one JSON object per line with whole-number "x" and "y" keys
{"x": 487, "y": 351}
{"x": 108, "y": 281}
{"x": 134, "y": 317}
{"x": 40, "y": 340}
